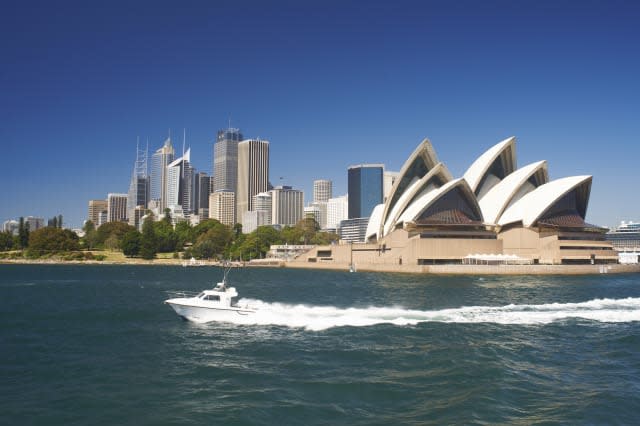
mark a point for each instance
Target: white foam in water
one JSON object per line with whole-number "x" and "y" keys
{"x": 324, "y": 317}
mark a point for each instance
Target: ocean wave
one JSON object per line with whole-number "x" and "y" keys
{"x": 324, "y": 317}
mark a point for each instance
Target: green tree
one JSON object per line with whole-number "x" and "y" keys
{"x": 6, "y": 241}
{"x": 52, "y": 240}
{"x": 23, "y": 233}
{"x": 184, "y": 234}
{"x": 90, "y": 234}
{"x": 307, "y": 228}
{"x": 324, "y": 238}
{"x": 167, "y": 216}
{"x": 292, "y": 235}
{"x": 131, "y": 242}
{"x": 148, "y": 244}
{"x": 214, "y": 243}
{"x": 256, "y": 244}
{"x": 116, "y": 229}
{"x": 166, "y": 238}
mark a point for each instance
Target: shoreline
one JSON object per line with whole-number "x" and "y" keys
{"x": 398, "y": 269}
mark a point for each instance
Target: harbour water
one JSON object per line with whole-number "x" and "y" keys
{"x": 96, "y": 345}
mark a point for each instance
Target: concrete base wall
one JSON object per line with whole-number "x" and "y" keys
{"x": 474, "y": 269}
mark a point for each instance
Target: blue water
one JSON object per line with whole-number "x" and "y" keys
{"x": 96, "y": 345}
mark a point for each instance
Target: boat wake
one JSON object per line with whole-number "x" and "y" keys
{"x": 324, "y": 317}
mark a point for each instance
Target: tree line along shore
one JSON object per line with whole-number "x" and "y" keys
{"x": 158, "y": 241}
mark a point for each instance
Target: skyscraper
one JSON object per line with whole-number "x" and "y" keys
{"x": 139, "y": 187}
{"x": 159, "y": 162}
{"x": 337, "y": 211}
{"x": 117, "y": 207}
{"x": 222, "y": 206}
{"x": 253, "y": 173}
{"x": 225, "y": 160}
{"x": 322, "y": 190}
{"x": 201, "y": 191}
{"x": 287, "y": 205}
{"x": 365, "y": 189}
{"x": 95, "y": 208}
{"x": 262, "y": 202}
{"x": 180, "y": 177}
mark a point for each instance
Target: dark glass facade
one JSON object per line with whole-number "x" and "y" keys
{"x": 365, "y": 189}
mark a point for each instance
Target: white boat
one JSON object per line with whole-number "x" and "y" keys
{"x": 210, "y": 305}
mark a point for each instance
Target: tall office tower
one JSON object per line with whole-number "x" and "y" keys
{"x": 337, "y": 211}
{"x": 202, "y": 186}
{"x": 388, "y": 179}
{"x": 139, "y": 186}
{"x": 225, "y": 160}
{"x": 159, "y": 162}
{"x": 321, "y": 208}
{"x": 117, "y": 207}
{"x": 312, "y": 212}
{"x": 34, "y": 222}
{"x": 180, "y": 177}
{"x": 253, "y": 173}
{"x": 222, "y": 207}
{"x": 95, "y": 208}
{"x": 262, "y": 202}
{"x": 365, "y": 189}
{"x": 286, "y": 205}
{"x": 11, "y": 226}
{"x": 322, "y": 190}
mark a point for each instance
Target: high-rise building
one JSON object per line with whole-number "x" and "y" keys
{"x": 95, "y": 208}
{"x": 201, "y": 191}
{"x": 321, "y": 208}
{"x": 225, "y": 160}
{"x": 253, "y": 173}
{"x": 139, "y": 187}
{"x": 34, "y": 222}
{"x": 337, "y": 211}
{"x": 117, "y": 207}
{"x": 159, "y": 162}
{"x": 322, "y": 190}
{"x": 222, "y": 207}
{"x": 365, "y": 189}
{"x": 389, "y": 178}
{"x": 312, "y": 212}
{"x": 11, "y": 226}
{"x": 180, "y": 183}
{"x": 262, "y": 202}
{"x": 286, "y": 205}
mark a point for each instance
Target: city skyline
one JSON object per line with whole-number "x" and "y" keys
{"x": 329, "y": 86}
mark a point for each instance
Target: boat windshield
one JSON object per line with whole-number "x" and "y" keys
{"x": 200, "y": 295}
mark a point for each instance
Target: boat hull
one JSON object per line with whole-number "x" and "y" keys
{"x": 201, "y": 314}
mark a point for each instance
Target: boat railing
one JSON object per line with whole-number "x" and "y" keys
{"x": 181, "y": 294}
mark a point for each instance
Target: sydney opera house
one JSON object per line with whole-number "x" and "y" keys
{"x": 495, "y": 211}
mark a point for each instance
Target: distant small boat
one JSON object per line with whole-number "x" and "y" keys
{"x": 210, "y": 305}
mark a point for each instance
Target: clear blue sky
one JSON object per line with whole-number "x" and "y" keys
{"x": 329, "y": 84}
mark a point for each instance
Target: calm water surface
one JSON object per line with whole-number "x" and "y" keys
{"x": 96, "y": 345}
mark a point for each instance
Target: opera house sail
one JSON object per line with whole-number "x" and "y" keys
{"x": 495, "y": 208}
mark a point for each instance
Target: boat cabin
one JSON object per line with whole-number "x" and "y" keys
{"x": 221, "y": 295}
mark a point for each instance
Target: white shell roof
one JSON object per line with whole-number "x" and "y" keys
{"x": 412, "y": 191}
{"x": 425, "y": 153}
{"x": 494, "y": 203}
{"x": 530, "y": 207}
{"x": 424, "y": 201}
{"x": 374, "y": 221}
{"x": 476, "y": 171}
